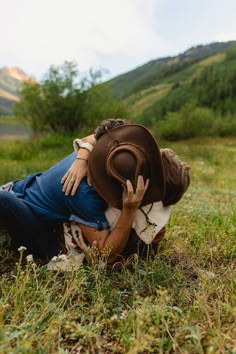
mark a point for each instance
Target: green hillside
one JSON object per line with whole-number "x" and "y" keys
{"x": 188, "y": 95}
{"x": 158, "y": 70}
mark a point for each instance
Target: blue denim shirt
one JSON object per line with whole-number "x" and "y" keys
{"x": 42, "y": 192}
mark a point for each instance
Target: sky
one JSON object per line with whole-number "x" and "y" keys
{"x": 115, "y": 36}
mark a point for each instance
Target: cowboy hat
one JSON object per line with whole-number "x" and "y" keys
{"x": 124, "y": 153}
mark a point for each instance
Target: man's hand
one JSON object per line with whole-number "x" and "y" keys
{"x": 73, "y": 176}
{"x": 132, "y": 199}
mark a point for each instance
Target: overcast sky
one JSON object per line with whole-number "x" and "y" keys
{"x": 117, "y": 35}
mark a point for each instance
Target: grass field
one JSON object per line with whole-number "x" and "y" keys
{"x": 182, "y": 301}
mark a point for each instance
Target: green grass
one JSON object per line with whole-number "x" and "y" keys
{"x": 182, "y": 301}
{"x": 141, "y": 100}
{"x": 11, "y": 120}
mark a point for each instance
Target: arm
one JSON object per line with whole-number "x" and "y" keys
{"x": 116, "y": 240}
{"x": 78, "y": 169}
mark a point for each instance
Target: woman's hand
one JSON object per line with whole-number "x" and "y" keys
{"x": 132, "y": 199}
{"x": 73, "y": 176}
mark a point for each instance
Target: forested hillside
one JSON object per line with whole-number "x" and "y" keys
{"x": 193, "y": 94}
{"x": 158, "y": 70}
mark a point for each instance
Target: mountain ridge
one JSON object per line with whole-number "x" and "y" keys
{"x": 11, "y": 80}
{"x": 146, "y": 75}
{"x": 139, "y": 87}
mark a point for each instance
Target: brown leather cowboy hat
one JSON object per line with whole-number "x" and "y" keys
{"x": 124, "y": 153}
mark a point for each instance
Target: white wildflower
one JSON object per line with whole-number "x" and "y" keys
{"x": 123, "y": 315}
{"x": 29, "y": 258}
{"x": 22, "y": 248}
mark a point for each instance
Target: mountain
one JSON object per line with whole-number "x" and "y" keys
{"x": 153, "y": 72}
{"x": 10, "y": 83}
{"x": 164, "y": 85}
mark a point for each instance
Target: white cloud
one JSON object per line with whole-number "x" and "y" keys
{"x": 48, "y": 32}
{"x": 116, "y": 34}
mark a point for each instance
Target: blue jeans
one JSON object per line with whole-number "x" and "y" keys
{"x": 26, "y": 229}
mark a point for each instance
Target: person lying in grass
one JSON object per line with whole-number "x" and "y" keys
{"x": 148, "y": 228}
{"x": 126, "y": 171}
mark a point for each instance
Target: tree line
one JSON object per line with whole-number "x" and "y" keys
{"x": 67, "y": 102}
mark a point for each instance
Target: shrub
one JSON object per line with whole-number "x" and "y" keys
{"x": 66, "y": 103}
{"x": 192, "y": 121}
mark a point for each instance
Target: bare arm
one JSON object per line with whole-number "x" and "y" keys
{"x": 78, "y": 169}
{"x": 116, "y": 240}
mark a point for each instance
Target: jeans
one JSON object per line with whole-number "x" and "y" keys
{"x": 26, "y": 228}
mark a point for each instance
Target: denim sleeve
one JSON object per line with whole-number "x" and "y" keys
{"x": 87, "y": 207}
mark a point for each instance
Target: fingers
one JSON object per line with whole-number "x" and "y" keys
{"x": 132, "y": 198}
{"x": 129, "y": 189}
{"x": 75, "y": 187}
{"x": 140, "y": 188}
{"x": 146, "y": 184}
{"x": 73, "y": 177}
{"x": 68, "y": 185}
{"x": 89, "y": 182}
{"x": 64, "y": 177}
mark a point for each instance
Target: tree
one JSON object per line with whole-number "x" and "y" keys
{"x": 66, "y": 102}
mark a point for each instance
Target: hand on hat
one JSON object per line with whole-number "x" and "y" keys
{"x": 132, "y": 199}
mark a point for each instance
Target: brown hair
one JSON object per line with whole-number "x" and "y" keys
{"x": 177, "y": 176}
{"x": 109, "y": 124}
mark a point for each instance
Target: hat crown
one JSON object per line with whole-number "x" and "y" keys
{"x": 124, "y": 153}
{"x": 127, "y": 162}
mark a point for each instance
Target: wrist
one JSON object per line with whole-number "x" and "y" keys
{"x": 83, "y": 154}
{"x": 129, "y": 211}
{"x": 82, "y": 159}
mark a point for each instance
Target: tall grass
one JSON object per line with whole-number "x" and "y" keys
{"x": 181, "y": 301}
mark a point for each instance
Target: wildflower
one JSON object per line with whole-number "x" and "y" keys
{"x": 114, "y": 318}
{"x": 22, "y": 249}
{"x": 123, "y": 315}
{"x": 29, "y": 258}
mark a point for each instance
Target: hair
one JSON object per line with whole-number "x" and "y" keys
{"x": 177, "y": 176}
{"x": 109, "y": 124}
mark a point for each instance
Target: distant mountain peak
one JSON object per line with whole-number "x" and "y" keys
{"x": 16, "y": 73}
